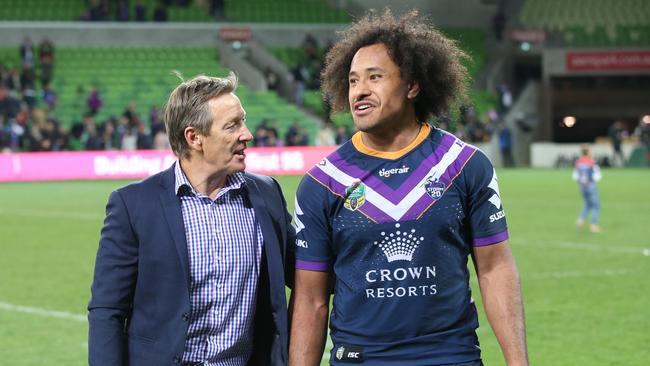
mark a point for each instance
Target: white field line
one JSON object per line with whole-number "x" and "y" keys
{"x": 610, "y": 248}
{"x": 576, "y": 274}
{"x": 42, "y": 312}
{"x": 52, "y": 214}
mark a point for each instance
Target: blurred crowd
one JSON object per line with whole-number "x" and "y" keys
{"x": 28, "y": 103}
{"x": 122, "y": 11}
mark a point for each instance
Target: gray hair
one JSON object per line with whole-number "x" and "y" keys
{"x": 188, "y": 107}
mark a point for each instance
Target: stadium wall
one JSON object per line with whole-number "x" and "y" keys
{"x": 550, "y": 155}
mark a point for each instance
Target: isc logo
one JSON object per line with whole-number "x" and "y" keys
{"x": 349, "y": 354}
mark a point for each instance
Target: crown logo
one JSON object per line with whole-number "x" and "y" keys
{"x": 399, "y": 245}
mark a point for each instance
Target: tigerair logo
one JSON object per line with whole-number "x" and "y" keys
{"x": 399, "y": 245}
{"x": 386, "y": 173}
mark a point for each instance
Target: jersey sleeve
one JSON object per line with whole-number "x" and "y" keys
{"x": 311, "y": 219}
{"x": 486, "y": 216}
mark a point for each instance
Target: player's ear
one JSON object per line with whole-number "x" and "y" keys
{"x": 414, "y": 90}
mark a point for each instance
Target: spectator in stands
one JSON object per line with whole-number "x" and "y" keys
{"x": 97, "y": 11}
{"x": 160, "y": 12}
{"x": 587, "y": 173}
{"x": 4, "y": 136}
{"x": 27, "y": 77}
{"x": 160, "y": 139}
{"x": 325, "y": 135}
{"x": 273, "y": 138}
{"x": 217, "y": 9}
{"x": 271, "y": 79}
{"x": 310, "y": 47}
{"x": 46, "y": 58}
{"x": 642, "y": 131}
{"x": 130, "y": 138}
{"x": 91, "y": 138}
{"x": 63, "y": 137}
{"x": 616, "y": 134}
{"x": 272, "y": 127}
{"x": 27, "y": 52}
{"x": 299, "y": 75}
{"x": 120, "y": 128}
{"x": 260, "y": 137}
{"x": 498, "y": 24}
{"x": 342, "y": 135}
{"x": 144, "y": 140}
{"x": 9, "y": 77}
{"x": 122, "y": 11}
{"x": 48, "y": 96}
{"x": 94, "y": 101}
{"x": 131, "y": 113}
{"x": 154, "y": 118}
{"x": 9, "y": 106}
{"x": 505, "y": 145}
{"x": 29, "y": 95}
{"x": 293, "y": 131}
{"x": 12, "y": 79}
{"x": 108, "y": 139}
{"x": 140, "y": 11}
{"x": 75, "y": 140}
{"x": 505, "y": 98}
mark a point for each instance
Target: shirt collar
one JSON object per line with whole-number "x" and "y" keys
{"x": 183, "y": 186}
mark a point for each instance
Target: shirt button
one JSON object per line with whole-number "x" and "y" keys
{"x": 177, "y": 359}
{"x": 185, "y": 317}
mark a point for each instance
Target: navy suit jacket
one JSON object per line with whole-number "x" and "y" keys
{"x": 138, "y": 311}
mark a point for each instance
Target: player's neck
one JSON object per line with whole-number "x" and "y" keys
{"x": 393, "y": 139}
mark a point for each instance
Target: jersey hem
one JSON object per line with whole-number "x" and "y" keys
{"x": 492, "y": 239}
{"x": 312, "y": 266}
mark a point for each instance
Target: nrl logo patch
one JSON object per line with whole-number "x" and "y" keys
{"x": 435, "y": 188}
{"x": 355, "y": 196}
{"x": 339, "y": 352}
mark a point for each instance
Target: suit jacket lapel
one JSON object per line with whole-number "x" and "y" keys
{"x": 171, "y": 208}
{"x": 271, "y": 245}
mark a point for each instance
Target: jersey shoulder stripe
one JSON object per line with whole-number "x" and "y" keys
{"x": 411, "y": 198}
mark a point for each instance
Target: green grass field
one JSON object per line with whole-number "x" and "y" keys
{"x": 587, "y": 296}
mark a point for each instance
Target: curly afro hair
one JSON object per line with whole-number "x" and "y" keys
{"x": 422, "y": 53}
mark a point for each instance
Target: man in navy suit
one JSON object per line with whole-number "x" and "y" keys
{"x": 193, "y": 261}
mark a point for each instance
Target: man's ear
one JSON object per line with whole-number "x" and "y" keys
{"x": 414, "y": 90}
{"x": 193, "y": 138}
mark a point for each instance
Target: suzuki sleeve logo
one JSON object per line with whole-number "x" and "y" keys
{"x": 296, "y": 219}
{"x": 494, "y": 185}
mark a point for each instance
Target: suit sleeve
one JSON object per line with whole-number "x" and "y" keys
{"x": 290, "y": 236}
{"x": 113, "y": 286}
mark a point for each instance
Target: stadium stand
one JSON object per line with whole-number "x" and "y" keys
{"x": 68, "y": 10}
{"x": 290, "y": 11}
{"x": 144, "y": 76}
{"x": 286, "y": 11}
{"x": 590, "y": 23}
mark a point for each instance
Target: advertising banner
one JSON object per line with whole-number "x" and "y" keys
{"x": 95, "y": 165}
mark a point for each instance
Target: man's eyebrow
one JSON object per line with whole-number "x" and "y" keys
{"x": 369, "y": 69}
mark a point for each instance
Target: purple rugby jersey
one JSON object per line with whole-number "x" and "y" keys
{"x": 396, "y": 229}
